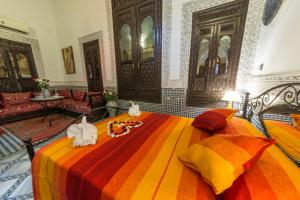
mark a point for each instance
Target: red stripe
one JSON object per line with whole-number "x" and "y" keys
{"x": 239, "y": 190}
{"x": 88, "y": 176}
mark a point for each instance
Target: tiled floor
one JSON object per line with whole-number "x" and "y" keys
{"x": 15, "y": 170}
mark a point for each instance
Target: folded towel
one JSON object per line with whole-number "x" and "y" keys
{"x": 134, "y": 110}
{"x": 83, "y": 133}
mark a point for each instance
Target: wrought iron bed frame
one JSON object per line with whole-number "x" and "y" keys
{"x": 279, "y": 100}
{"x": 263, "y": 103}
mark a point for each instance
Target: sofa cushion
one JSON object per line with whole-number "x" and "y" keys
{"x": 65, "y": 93}
{"x": 76, "y": 106}
{"x": 79, "y": 95}
{"x": 19, "y": 109}
{"x": 9, "y": 99}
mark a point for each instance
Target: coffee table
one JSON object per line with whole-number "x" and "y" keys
{"x": 44, "y": 101}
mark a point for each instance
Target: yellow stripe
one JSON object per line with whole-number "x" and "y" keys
{"x": 171, "y": 180}
{"x": 147, "y": 186}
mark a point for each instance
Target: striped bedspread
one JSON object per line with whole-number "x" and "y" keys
{"x": 140, "y": 165}
{"x": 144, "y": 165}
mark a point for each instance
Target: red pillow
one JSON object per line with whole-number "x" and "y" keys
{"x": 210, "y": 121}
{"x": 228, "y": 113}
{"x": 9, "y": 99}
{"x": 79, "y": 95}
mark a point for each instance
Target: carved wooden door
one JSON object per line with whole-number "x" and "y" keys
{"x": 215, "y": 50}
{"x": 17, "y": 67}
{"x": 137, "y": 27}
{"x": 8, "y": 81}
{"x": 93, "y": 66}
{"x": 24, "y": 66}
{"x": 125, "y": 36}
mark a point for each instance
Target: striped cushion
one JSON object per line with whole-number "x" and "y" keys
{"x": 221, "y": 159}
{"x": 286, "y": 136}
{"x": 296, "y": 119}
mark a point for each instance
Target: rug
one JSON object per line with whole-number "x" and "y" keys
{"x": 36, "y": 129}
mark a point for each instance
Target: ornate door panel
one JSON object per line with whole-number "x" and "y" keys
{"x": 24, "y": 66}
{"x": 219, "y": 31}
{"x": 148, "y": 55}
{"x": 93, "y": 66}
{"x": 137, "y": 28}
{"x": 7, "y": 75}
{"x": 201, "y": 63}
{"x": 125, "y": 35}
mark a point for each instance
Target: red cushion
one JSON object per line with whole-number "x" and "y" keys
{"x": 65, "y": 93}
{"x": 15, "y": 98}
{"x": 76, "y": 106}
{"x": 19, "y": 109}
{"x": 209, "y": 121}
{"x": 79, "y": 95}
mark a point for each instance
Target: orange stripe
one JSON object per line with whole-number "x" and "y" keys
{"x": 122, "y": 175}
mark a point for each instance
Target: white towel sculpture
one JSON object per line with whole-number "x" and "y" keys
{"x": 83, "y": 133}
{"x": 134, "y": 110}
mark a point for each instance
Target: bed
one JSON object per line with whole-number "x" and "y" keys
{"x": 144, "y": 165}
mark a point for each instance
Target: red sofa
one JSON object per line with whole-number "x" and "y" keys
{"x": 17, "y": 106}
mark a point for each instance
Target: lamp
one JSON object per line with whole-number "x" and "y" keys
{"x": 231, "y": 96}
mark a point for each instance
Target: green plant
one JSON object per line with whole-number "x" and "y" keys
{"x": 43, "y": 83}
{"x": 110, "y": 96}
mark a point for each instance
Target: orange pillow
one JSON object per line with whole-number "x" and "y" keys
{"x": 209, "y": 121}
{"x": 228, "y": 113}
{"x": 296, "y": 120}
{"x": 221, "y": 158}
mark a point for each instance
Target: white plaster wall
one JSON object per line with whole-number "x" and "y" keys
{"x": 279, "y": 43}
{"x": 75, "y": 19}
{"x": 176, "y": 38}
{"x": 39, "y": 17}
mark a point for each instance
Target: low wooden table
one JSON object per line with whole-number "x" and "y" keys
{"x": 44, "y": 101}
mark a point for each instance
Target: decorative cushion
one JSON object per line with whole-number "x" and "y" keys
{"x": 209, "y": 121}
{"x": 228, "y": 113}
{"x": 296, "y": 119}
{"x": 65, "y": 93}
{"x": 19, "y": 109}
{"x": 79, "y": 95}
{"x": 286, "y": 136}
{"x": 221, "y": 159}
{"x": 76, "y": 106}
{"x": 15, "y": 98}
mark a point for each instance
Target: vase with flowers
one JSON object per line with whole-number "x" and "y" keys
{"x": 43, "y": 85}
{"x": 111, "y": 102}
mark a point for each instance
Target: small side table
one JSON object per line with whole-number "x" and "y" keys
{"x": 44, "y": 101}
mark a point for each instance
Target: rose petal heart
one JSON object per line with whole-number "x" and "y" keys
{"x": 120, "y": 128}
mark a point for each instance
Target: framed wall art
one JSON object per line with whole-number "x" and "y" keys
{"x": 68, "y": 60}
